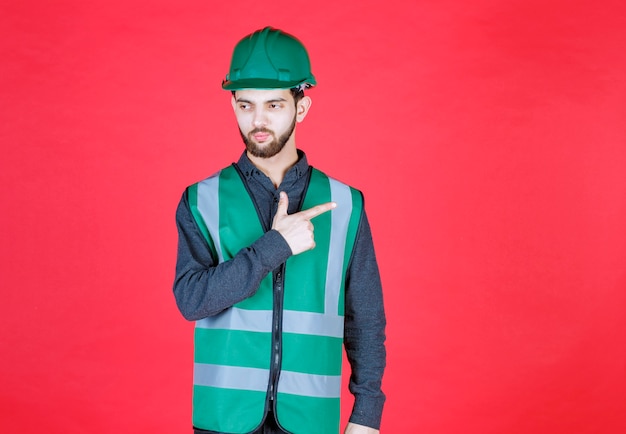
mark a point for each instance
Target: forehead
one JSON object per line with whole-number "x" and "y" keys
{"x": 263, "y": 95}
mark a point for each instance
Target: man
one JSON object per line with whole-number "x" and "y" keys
{"x": 272, "y": 301}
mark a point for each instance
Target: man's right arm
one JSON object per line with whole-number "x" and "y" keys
{"x": 202, "y": 287}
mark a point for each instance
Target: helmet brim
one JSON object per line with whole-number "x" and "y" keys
{"x": 259, "y": 83}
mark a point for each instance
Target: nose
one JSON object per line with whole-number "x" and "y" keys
{"x": 259, "y": 120}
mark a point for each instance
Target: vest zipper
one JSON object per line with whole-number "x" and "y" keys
{"x": 277, "y": 325}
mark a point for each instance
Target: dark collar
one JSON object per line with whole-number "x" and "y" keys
{"x": 297, "y": 171}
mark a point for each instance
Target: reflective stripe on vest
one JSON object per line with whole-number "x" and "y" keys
{"x": 233, "y": 348}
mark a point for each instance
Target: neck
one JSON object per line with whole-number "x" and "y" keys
{"x": 277, "y": 166}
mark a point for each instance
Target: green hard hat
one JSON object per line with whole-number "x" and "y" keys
{"x": 269, "y": 59}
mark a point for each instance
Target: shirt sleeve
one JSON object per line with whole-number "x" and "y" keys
{"x": 202, "y": 286}
{"x": 365, "y": 330}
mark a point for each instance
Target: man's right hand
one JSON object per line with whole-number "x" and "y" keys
{"x": 297, "y": 228}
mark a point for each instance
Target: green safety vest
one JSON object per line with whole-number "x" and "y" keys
{"x": 233, "y": 348}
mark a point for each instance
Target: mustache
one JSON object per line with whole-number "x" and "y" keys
{"x": 261, "y": 130}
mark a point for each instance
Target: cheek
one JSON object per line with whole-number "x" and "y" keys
{"x": 243, "y": 121}
{"x": 286, "y": 119}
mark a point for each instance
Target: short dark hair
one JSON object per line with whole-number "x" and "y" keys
{"x": 297, "y": 93}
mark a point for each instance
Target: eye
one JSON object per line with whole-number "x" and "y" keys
{"x": 275, "y": 106}
{"x": 244, "y": 106}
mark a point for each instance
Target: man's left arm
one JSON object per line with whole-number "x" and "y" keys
{"x": 354, "y": 428}
{"x": 365, "y": 334}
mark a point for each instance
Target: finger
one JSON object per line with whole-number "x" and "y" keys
{"x": 317, "y": 210}
{"x": 283, "y": 204}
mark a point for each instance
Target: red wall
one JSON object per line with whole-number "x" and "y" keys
{"x": 488, "y": 136}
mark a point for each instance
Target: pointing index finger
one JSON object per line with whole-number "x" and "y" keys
{"x": 317, "y": 210}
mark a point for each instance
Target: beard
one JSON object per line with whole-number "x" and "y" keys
{"x": 270, "y": 149}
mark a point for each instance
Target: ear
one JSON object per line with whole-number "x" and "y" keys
{"x": 302, "y": 108}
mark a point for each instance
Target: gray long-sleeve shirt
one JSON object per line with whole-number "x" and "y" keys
{"x": 203, "y": 287}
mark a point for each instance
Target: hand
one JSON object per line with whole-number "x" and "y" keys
{"x": 354, "y": 428}
{"x": 296, "y": 228}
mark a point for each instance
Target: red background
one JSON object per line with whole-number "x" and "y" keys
{"x": 489, "y": 139}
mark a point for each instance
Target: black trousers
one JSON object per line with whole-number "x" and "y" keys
{"x": 269, "y": 427}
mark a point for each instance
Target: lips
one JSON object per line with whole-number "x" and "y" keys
{"x": 261, "y": 137}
